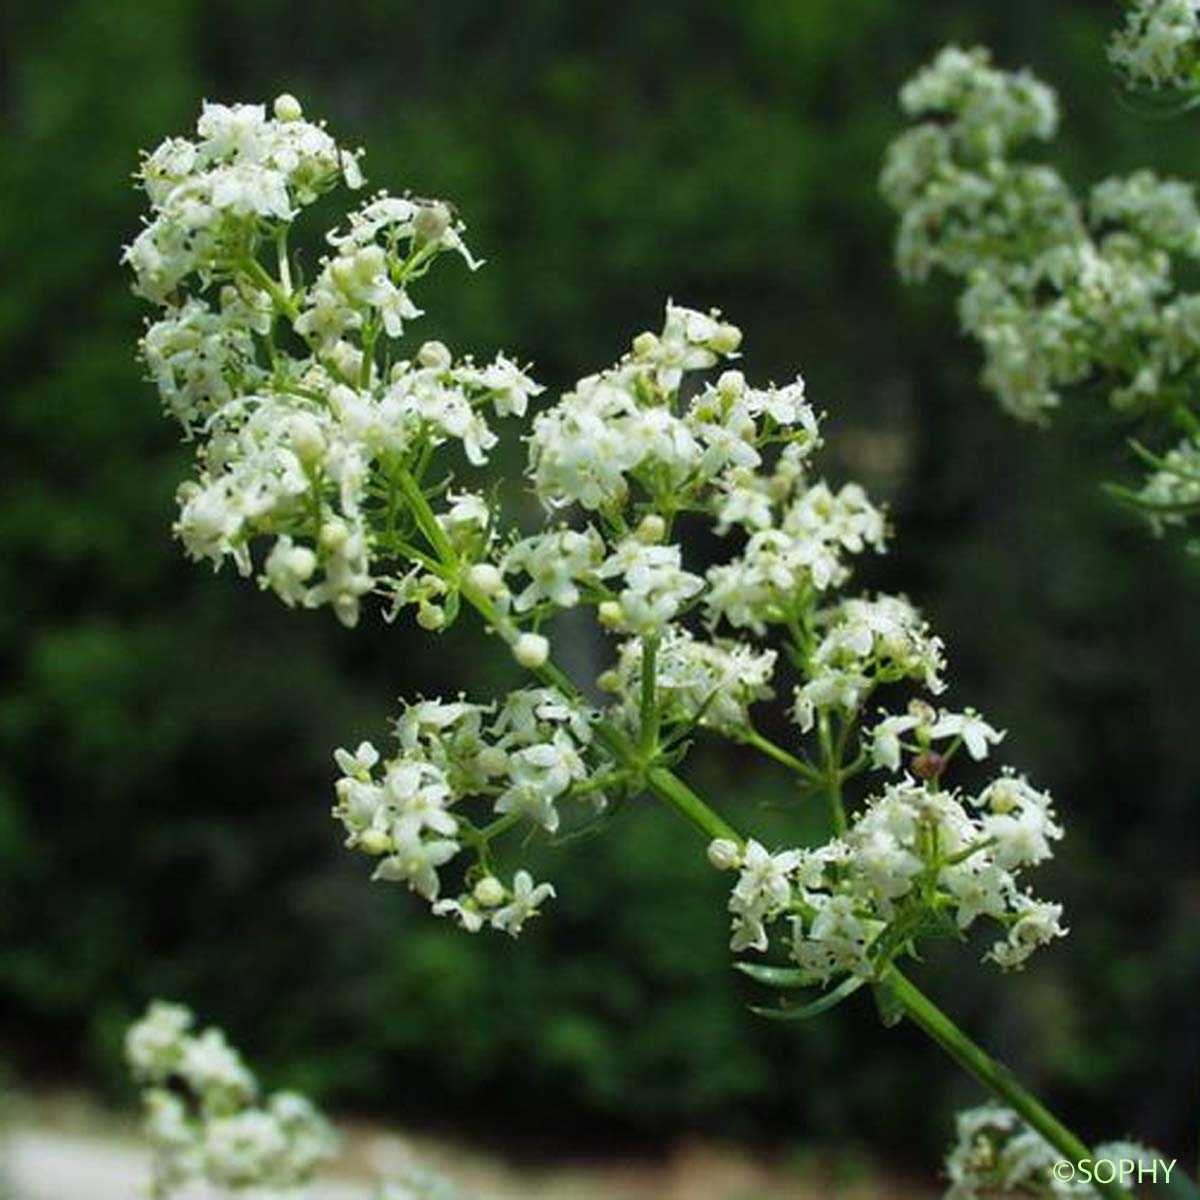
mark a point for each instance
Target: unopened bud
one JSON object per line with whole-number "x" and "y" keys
{"x": 486, "y": 578}
{"x": 434, "y": 354}
{"x": 307, "y": 439}
{"x": 645, "y": 344}
{"x": 431, "y": 222}
{"x": 724, "y": 854}
{"x": 731, "y": 384}
{"x": 726, "y": 340}
{"x": 651, "y": 529}
{"x": 287, "y": 108}
{"x": 334, "y": 534}
{"x": 610, "y": 614}
{"x": 492, "y": 761}
{"x": 430, "y": 617}
{"x": 375, "y": 841}
{"x": 489, "y": 891}
{"x": 531, "y": 650}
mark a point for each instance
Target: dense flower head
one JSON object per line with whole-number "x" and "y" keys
{"x": 205, "y": 1118}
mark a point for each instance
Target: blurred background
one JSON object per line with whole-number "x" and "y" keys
{"x": 165, "y": 734}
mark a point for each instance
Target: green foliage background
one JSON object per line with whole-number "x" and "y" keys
{"x": 164, "y": 734}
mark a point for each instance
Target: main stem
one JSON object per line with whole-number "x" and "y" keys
{"x": 674, "y": 792}
{"x": 995, "y": 1076}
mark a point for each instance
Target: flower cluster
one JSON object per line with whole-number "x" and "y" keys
{"x": 322, "y": 450}
{"x": 1158, "y": 45}
{"x": 915, "y": 860}
{"x": 1060, "y": 293}
{"x": 995, "y": 1151}
{"x": 522, "y": 758}
{"x": 205, "y": 1119}
{"x": 297, "y": 402}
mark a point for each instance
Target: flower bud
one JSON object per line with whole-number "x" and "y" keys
{"x": 287, "y": 108}
{"x": 651, "y": 529}
{"x": 610, "y": 614}
{"x": 609, "y": 681}
{"x": 645, "y": 344}
{"x": 431, "y": 617}
{"x": 731, "y": 384}
{"x": 346, "y": 608}
{"x": 335, "y": 533}
{"x": 726, "y": 340}
{"x": 531, "y": 650}
{"x": 307, "y": 439}
{"x": 489, "y": 891}
{"x": 368, "y": 264}
{"x": 300, "y": 562}
{"x": 434, "y": 354}
{"x": 374, "y": 841}
{"x": 492, "y": 761}
{"x": 431, "y": 223}
{"x": 724, "y": 854}
{"x": 486, "y": 578}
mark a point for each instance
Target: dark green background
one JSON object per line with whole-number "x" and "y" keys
{"x": 165, "y": 734}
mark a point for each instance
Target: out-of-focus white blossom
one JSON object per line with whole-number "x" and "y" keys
{"x": 996, "y": 1151}
{"x": 1059, "y": 293}
{"x": 205, "y": 1119}
{"x": 1158, "y": 45}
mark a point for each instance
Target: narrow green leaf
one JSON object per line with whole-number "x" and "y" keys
{"x": 806, "y": 1012}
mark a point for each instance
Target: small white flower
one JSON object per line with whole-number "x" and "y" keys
{"x": 526, "y": 897}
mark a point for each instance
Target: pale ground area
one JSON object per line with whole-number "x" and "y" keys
{"x": 49, "y": 1157}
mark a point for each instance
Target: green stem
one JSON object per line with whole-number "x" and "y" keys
{"x": 648, "y": 742}
{"x": 993, "y": 1075}
{"x": 831, "y": 765}
{"x": 780, "y": 755}
{"x": 668, "y": 787}
{"x": 282, "y": 301}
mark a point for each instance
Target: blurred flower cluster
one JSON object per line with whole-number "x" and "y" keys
{"x": 1060, "y": 292}
{"x": 1158, "y": 45}
{"x": 205, "y": 1119}
{"x": 996, "y": 1152}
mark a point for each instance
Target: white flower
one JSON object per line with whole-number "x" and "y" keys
{"x": 554, "y": 563}
{"x": 1037, "y": 924}
{"x": 885, "y": 740}
{"x": 526, "y": 896}
{"x": 976, "y": 734}
{"x": 415, "y": 861}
